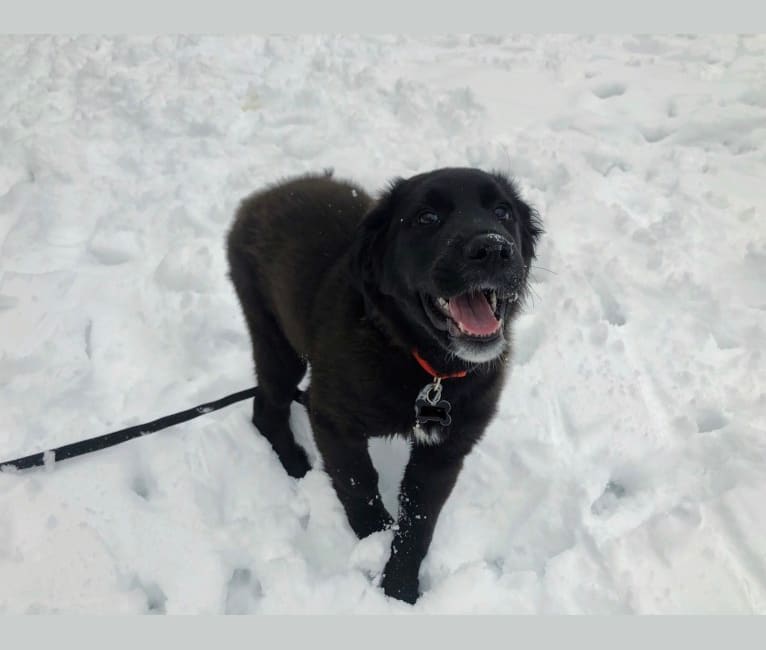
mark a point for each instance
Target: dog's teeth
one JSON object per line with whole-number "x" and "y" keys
{"x": 443, "y": 304}
{"x": 493, "y": 300}
{"x": 515, "y": 297}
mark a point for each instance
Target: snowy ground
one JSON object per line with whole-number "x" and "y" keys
{"x": 626, "y": 471}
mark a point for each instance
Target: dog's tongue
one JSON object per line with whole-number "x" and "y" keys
{"x": 474, "y": 314}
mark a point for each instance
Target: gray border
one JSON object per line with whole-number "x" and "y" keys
{"x": 403, "y": 632}
{"x": 424, "y": 16}
{"x": 333, "y": 15}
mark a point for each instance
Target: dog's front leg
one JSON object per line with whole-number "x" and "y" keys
{"x": 354, "y": 478}
{"x": 428, "y": 480}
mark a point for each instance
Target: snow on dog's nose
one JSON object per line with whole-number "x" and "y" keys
{"x": 488, "y": 249}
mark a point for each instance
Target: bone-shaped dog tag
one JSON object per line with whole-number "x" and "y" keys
{"x": 429, "y": 407}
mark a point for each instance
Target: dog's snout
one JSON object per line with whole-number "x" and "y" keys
{"x": 489, "y": 247}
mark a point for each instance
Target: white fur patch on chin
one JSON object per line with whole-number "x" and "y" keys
{"x": 478, "y": 354}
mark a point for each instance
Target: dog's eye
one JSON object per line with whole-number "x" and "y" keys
{"x": 502, "y": 212}
{"x": 428, "y": 218}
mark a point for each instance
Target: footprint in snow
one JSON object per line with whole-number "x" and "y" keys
{"x": 611, "y": 308}
{"x": 155, "y": 597}
{"x": 242, "y": 592}
{"x": 608, "y": 501}
{"x": 143, "y": 487}
{"x": 653, "y": 134}
{"x": 610, "y": 89}
{"x": 710, "y": 419}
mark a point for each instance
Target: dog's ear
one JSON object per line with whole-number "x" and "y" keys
{"x": 368, "y": 248}
{"x": 531, "y": 229}
{"x": 530, "y": 224}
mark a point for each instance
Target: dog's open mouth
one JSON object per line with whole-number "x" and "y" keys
{"x": 476, "y": 314}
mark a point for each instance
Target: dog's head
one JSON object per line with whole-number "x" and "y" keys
{"x": 445, "y": 257}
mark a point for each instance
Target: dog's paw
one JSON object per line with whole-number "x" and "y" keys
{"x": 400, "y": 586}
{"x": 370, "y": 520}
{"x": 295, "y": 462}
{"x": 407, "y": 592}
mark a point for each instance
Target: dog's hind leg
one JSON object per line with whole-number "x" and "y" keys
{"x": 278, "y": 367}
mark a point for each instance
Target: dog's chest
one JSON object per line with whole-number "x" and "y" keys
{"x": 395, "y": 413}
{"x": 428, "y": 434}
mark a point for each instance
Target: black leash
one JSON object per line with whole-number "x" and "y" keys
{"x": 123, "y": 435}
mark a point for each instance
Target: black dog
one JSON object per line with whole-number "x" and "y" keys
{"x": 403, "y": 307}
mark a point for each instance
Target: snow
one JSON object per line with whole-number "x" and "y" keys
{"x": 626, "y": 470}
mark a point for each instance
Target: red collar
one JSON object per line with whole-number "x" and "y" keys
{"x": 436, "y": 375}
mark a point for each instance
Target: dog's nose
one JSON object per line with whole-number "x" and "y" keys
{"x": 489, "y": 247}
